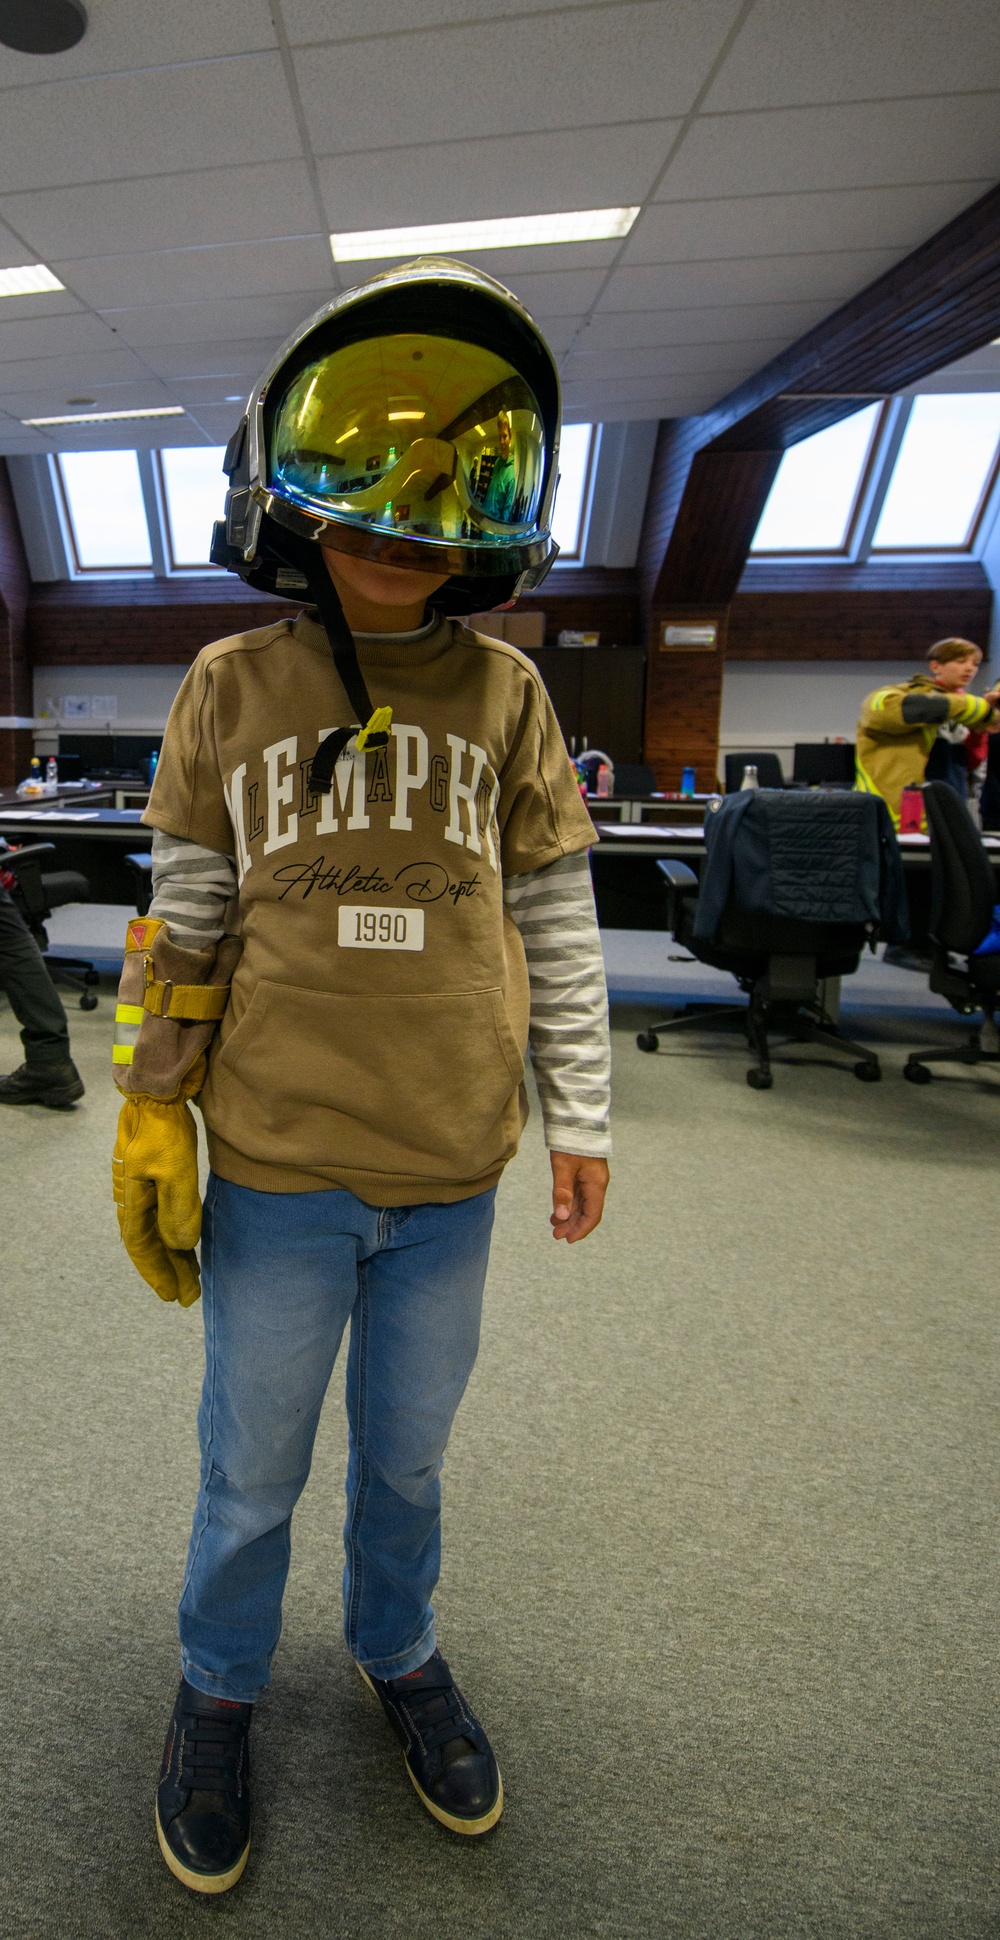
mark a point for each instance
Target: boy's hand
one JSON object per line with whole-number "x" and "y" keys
{"x": 578, "y": 1188}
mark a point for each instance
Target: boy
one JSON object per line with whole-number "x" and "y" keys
{"x": 900, "y": 727}
{"x": 377, "y": 924}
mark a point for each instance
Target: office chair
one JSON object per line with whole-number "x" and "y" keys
{"x": 782, "y": 962}
{"x": 634, "y": 778}
{"x": 963, "y": 894}
{"x": 140, "y": 868}
{"x": 36, "y": 896}
{"x": 823, "y": 764}
{"x": 770, "y": 773}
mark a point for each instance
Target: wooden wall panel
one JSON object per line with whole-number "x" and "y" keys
{"x": 15, "y": 671}
{"x": 851, "y": 625}
{"x": 141, "y": 622}
{"x": 683, "y": 701}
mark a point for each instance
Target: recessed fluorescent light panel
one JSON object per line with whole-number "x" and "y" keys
{"x": 505, "y": 232}
{"x": 110, "y": 417}
{"x": 32, "y": 279}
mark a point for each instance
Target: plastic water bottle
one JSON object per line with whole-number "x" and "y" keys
{"x": 151, "y": 766}
{"x": 34, "y": 781}
{"x": 687, "y": 781}
{"x": 749, "y": 777}
{"x": 52, "y": 776}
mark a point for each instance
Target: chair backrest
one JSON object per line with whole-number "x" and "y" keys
{"x": 963, "y": 891}
{"x": 816, "y": 762}
{"x": 769, "y": 770}
{"x": 804, "y": 856}
{"x": 634, "y": 778}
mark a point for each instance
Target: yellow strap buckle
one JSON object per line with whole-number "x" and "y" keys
{"x": 190, "y": 1003}
{"x": 376, "y": 734}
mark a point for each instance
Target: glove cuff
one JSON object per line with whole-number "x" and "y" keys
{"x": 169, "y": 1002}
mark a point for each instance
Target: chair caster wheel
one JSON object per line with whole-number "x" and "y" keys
{"x": 870, "y": 1074}
{"x": 759, "y": 1080}
{"x": 88, "y": 1001}
{"x": 916, "y": 1074}
{"x": 648, "y": 1041}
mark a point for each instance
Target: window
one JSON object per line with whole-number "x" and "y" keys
{"x": 569, "y": 513}
{"x": 946, "y": 465}
{"x": 102, "y": 497}
{"x": 194, "y": 491}
{"x": 812, "y": 502}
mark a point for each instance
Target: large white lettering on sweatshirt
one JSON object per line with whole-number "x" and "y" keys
{"x": 272, "y": 805}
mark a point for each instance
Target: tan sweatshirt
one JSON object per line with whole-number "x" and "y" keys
{"x": 378, "y": 1022}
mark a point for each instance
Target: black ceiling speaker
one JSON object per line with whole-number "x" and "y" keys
{"x": 42, "y": 26}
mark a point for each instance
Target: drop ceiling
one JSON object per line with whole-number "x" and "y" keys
{"x": 181, "y": 168}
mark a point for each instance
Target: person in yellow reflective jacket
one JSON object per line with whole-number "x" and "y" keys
{"x": 900, "y": 725}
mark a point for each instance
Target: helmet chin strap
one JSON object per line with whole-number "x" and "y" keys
{"x": 374, "y": 730}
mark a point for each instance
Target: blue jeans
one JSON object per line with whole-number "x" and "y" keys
{"x": 282, "y": 1273}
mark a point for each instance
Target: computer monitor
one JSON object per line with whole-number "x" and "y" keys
{"x": 819, "y": 763}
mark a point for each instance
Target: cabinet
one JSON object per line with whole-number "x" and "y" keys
{"x": 598, "y": 694}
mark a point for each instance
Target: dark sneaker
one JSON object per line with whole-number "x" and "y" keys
{"x": 203, "y": 1798}
{"x": 58, "y": 1084}
{"x": 447, "y": 1752}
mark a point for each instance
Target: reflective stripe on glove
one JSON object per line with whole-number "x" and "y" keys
{"x": 155, "y": 1175}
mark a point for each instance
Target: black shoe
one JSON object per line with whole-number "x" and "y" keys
{"x": 447, "y": 1752}
{"x": 58, "y": 1084}
{"x": 203, "y": 1798}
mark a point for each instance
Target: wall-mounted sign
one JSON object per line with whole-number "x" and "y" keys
{"x": 702, "y": 639}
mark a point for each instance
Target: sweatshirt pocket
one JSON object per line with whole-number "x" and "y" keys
{"x": 425, "y": 1086}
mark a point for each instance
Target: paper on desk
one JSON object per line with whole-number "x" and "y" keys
{"x": 51, "y": 814}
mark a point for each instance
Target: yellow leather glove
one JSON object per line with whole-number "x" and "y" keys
{"x": 155, "y": 1173}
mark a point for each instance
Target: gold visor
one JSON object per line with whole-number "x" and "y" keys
{"x": 420, "y": 435}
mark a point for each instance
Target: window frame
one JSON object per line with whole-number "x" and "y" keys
{"x": 576, "y": 557}
{"x": 966, "y": 548}
{"x": 847, "y": 550}
{"x": 65, "y": 513}
{"x": 174, "y": 569}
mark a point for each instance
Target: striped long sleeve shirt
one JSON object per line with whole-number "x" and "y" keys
{"x": 553, "y": 908}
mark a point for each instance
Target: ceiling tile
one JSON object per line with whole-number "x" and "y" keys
{"x": 307, "y": 21}
{"x": 794, "y": 149}
{"x": 560, "y": 332}
{"x": 722, "y": 363}
{"x": 600, "y": 64}
{"x": 122, "y": 35}
{"x": 211, "y": 362}
{"x": 832, "y": 279}
{"x": 140, "y": 434}
{"x": 196, "y": 323}
{"x": 707, "y": 326}
{"x": 178, "y": 275}
{"x": 766, "y": 225}
{"x": 223, "y": 205}
{"x": 43, "y": 401}
{"x": 84, "y": 374}
{"x": 595, "y": 168}
{"x": 144, "y": 124}
{"x": 15, "y": 441}
{"x": 196, "y": 392}
{"x": 218, "y": 421}
{"x": 791, "y": 51}
{"x": 24, "y": 309}
{"x": 60, "y": 336}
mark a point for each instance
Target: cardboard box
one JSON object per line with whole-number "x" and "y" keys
{"x": 524, "y": 630}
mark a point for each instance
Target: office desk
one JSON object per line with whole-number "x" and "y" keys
{"x": 625, "y": 809}
{"x": 70, "y": 794}
{"x": 93, "y": 840}
{"x": 629, "y": 889}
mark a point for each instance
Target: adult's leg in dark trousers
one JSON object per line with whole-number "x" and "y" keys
{"x": 48, "y": 1076}
{"x": 29, "y": 989}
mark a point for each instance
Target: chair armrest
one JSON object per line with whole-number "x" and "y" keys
{"x": 678, "y": 881}
{"x": 13, "y": 858}
{"x": 677, "y": 875}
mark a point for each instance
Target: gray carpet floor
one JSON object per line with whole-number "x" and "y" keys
{"x": 720, "y": 1539}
